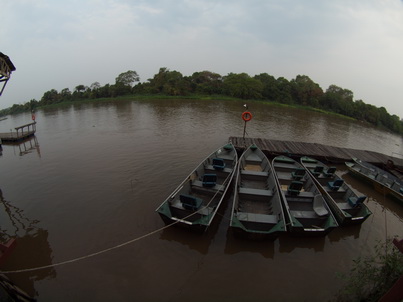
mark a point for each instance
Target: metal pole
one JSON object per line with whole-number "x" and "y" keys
{"x": 244, "y": 130}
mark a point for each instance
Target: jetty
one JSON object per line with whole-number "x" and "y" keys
{"x": 321, "y": 152}
{"x": 21, "y": 133}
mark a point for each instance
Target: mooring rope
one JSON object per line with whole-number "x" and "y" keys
{"x": 89, "y": 255}
{"x": 116, "y": 246}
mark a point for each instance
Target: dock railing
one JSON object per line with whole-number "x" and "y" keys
{"x": 28, "y": 132}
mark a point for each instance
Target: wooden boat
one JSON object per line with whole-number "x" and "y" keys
{"x": 347, "y": 206}
{"x": 256, "y": 209}
{"x": 383, "y": 181}
{"x": 305, "y": 208}
{"x": 194, "y": 203}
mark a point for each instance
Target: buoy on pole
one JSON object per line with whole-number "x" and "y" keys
{"x": 246, "y": 116}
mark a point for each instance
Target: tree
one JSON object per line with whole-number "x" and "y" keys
{"x": 242, "y": 86}
{"x": 65, "y": 94}
{"x": 284, "y": 88}
{"x": 270, "y": 87}
{"x": 338, "y": 100}
{"x": 79, "y": 88}
{"x": 305, "y": 91}
{"x": 206, "y": 82}
{"x": 50, "y": 97}
{"x": 79, "y": 91}
{"x": 169, "y": 82}
{"x": 95, "y": 86}
{"x": 127, "y": 78}
{"x": 94, "y": 90}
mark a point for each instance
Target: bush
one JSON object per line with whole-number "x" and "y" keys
{"x": 371, "y": 277}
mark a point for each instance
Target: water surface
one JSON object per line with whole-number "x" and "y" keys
{"x": 95, "y": 173}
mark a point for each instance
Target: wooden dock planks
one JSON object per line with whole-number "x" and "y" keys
{"x": 13, "y": 137}
{"x": 319, "y": 151}
{"x": 22, "y": 132}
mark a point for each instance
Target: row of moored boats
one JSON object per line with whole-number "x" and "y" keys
{"x": 271, "y": 198}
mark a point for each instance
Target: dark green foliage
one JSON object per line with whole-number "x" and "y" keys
{"x": 242, "y": 86}
{"x": 371, "y": 277}
{"x": 301, "y": 91}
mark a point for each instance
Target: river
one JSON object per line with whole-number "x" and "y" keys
{"x": 86, "y": 189}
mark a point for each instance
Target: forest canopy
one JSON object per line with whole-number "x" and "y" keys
{"x": 299, "y": 91}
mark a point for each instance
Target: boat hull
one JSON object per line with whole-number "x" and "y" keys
{"x": 383, "y": 188}
{"x": 336, "y": 199}
{"x": 257, "y": 212}
{"x": 306, "y": 209}
{"x": 195, "y": 202}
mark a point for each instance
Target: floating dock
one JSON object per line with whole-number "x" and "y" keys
{"x": 21, "y": 133}
{"x": 321, "y": 152}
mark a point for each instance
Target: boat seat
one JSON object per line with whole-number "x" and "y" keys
{"x": 344, "y": 205}
{"x": 303, "y": 214}
{"x": 218, "y": 164}
{"x": 317, "y": 171}
{"x": 356, "y": 201}
{"x": 253, "y": 158}
{"x": 209, "y": 180}
{"x": 190, "y": 202}
{"x": 259, "y": 192}
{"x": 255, "y": 173}
{"x": 198, "y": 185}
{"x": 254, "y": 217}
{"x": 330, "y": 171}
{"x": 306, "y": 194}
{"x": 295, "y": 187}
{"x": 211, "y": 169}
{"x": 318, "y": 205}
{"x": 335, "y": 185}
{"x": 298, "y": 174}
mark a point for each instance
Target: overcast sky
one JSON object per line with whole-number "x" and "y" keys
{"x": 357, "y": 45}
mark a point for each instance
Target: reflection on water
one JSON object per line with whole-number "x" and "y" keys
{"x": 103, "y": 168}
{"x": 235, "y": 244}
{"x": 32, "y": 247}
{"x": 26, "y": 146}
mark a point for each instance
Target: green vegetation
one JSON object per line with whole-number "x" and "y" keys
{"x": 300, "y": 92}
{"x": 371, "y": 277}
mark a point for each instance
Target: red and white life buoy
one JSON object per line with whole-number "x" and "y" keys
{"x": 246, "y": 116}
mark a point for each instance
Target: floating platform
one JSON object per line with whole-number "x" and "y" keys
{"x": 21, "y": 133}
{"x": 321, "y": 152}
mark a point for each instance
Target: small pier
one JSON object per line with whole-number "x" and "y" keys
{"x": 321, "y": 152}
{"x": 21, "y": 133}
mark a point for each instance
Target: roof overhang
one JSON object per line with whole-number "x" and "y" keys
{"x": 6, "y": 68}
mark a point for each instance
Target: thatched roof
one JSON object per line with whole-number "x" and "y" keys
{"x": 7, "y": 61}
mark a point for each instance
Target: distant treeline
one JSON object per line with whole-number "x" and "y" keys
{"x": 299, "y": 91}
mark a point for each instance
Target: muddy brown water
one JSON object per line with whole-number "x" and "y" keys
{"x": 93, "y": 176}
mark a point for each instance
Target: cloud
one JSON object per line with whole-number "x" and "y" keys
{"x": 57, "y": 44}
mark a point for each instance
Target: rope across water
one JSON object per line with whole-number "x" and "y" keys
{"x": 113, "y": 247}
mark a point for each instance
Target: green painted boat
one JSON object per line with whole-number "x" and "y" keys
{"x": 348, "y": 207}
{"x": 256, "y": 208}
{"x": 194, "y": 203}
{"x": 383, "y": 181}
{"x": 306, "y": 209}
